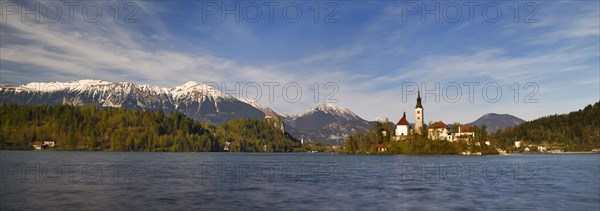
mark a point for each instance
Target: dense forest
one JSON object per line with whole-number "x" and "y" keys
{"x": 576, "y": 131}
{"x": 117, "y": 129}
{"x": 381, "y": 133}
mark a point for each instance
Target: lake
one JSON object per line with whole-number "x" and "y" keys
{"x": 296, "y": 181}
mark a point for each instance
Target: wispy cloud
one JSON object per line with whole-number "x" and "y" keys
{"x": 368, "y": 54}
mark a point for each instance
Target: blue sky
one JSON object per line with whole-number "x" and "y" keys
{"x": 368, "y": 49}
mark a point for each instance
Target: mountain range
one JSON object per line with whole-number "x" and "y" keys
{"x": 198, "y": 101}
{"x": 322, "y": 123}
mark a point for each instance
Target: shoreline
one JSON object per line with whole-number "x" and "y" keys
{"x": 588, "y": 152}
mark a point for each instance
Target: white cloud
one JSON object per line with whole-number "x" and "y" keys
{"x": 119, "y": 52}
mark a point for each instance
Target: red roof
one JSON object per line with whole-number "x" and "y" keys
{"x": 402, "y": 121}
{"x": 438, "y": 125}
{"x": 466, "y": 129}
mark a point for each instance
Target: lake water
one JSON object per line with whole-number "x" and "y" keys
{"x": 183, "y": 181}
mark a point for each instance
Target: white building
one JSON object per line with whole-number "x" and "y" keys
{"x": 465, "y": 133}
{"x": 49, "y": 143}
{"x": 541, "y": 148}
{"x": 517, "y": 144}
{"x": 439, "y": 131}
{"x": 37, "y": 145}
{"x": 402, "y": 126}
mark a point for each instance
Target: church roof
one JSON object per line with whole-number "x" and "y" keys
{"x": 439, "y": 124}
{"x": 403, "y": 120}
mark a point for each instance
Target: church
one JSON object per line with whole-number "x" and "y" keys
{"x": 436, "y": 131}
{"x": 403, "y": 127}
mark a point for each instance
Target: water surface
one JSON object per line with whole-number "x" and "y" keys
{"x": 231, "y": 181}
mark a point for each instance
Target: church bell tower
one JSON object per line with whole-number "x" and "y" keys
{"x": 419, "y": 115}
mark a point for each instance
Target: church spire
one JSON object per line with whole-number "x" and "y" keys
{"x": 419, "y": 100}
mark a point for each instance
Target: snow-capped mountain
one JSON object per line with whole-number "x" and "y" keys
{"x": 198, "y": 101}
{"x": 326, "y": 123}
{"x": 331, "y": 109}
{"x": 322, "y": 123}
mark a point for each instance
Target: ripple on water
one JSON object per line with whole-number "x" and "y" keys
{"x": 360, "y": 182}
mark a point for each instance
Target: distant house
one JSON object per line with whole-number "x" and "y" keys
{"x": 380, "y": 147}
{"x": 49, "y": 143}
{"x": 37, "y": 145}
{"x": 402, "y": 128}
{"x": 226, "y": 148}
{"x": 541, "y": 148}
{"x": 465, "y": 133}
{"x": 439, "y": 131}
{"x": 517, "y": 144}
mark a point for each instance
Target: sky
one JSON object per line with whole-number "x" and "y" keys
{"x": 528, "y": 59}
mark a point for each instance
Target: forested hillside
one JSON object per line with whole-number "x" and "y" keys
{"x": 576, "y": 131}
{"x": 117, "y": 129}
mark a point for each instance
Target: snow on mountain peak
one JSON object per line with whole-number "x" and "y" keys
{"x": 189, "y": 84}
{"x": 90, "y": 82}
{"x": 190, "y": 89}
{"x": 329, "y": 108}
{"x": 262, "y": 107}
{"x": 193, "y": 88}
{"x": 79, "y": 85}
{"x": 253, "y": 102}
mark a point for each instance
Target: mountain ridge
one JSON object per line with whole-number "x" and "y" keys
{"x": 199, "y": 101}
{"x": 327, "y": 120}
{"x": 495, "y": 121}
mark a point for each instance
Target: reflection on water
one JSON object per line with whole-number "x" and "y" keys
{"x": 175, "y": 181}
